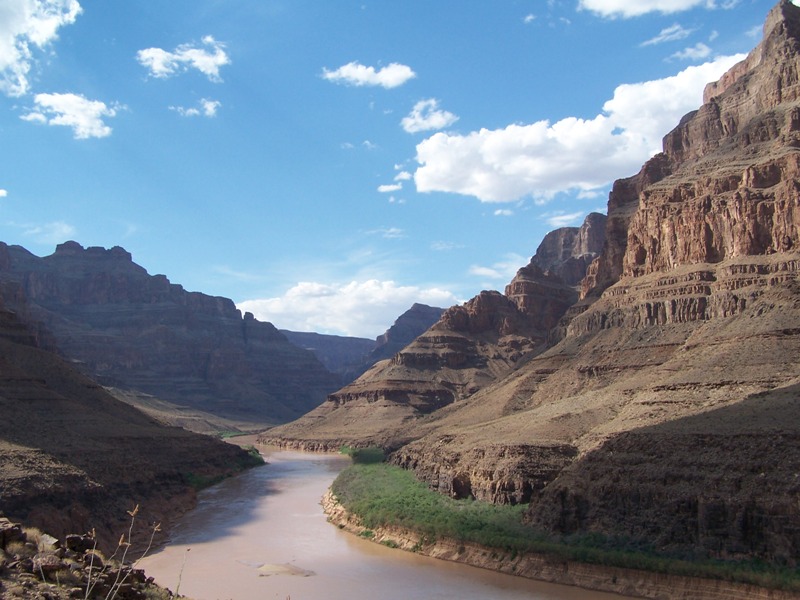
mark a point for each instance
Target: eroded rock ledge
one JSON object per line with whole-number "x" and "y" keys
{"x": 629, "y": 582}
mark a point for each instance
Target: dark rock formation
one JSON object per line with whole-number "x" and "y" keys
{"x": 138, "y": 332}
{"x": 568, "y": 251}
{"x": 37, "y": 565}
{"x": 75, "y": 458}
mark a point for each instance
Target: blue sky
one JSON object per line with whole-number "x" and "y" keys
{"x": 327, "y": 164}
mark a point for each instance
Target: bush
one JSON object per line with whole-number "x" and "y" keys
{"x": 365, "y": 456}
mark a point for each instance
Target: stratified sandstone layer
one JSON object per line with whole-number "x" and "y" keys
{"x": 142, "y": 334}
{"x": 661, "y": 407}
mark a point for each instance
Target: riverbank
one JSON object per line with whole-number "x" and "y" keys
{"x": 628, "y": 582}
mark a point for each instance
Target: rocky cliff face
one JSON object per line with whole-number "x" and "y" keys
{"x": 134, "y": 331}
{"x": 663, "y": 410}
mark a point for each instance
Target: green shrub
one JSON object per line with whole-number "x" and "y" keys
{"x": 364, "y": 456}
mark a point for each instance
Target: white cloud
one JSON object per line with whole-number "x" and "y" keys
{"x": 51, "y": 233}
{"x": 561, "y": 219}
{"x": 445, "y": 246}
{"x": 25, "y": 25}
{"x": 403, "y": 176}
{"x": 635, "y": 8}
{"x": 206, "y": 108}
{"x": 755, "y": 31}
{"x": 503, "y": 270}
{"x": 669, "y": 34}
{"x": 354, "y": 73}
{"x": 359, "y": 308}
{"x": 84, "y": 116}
{"x": 503, "y": 212}
{"x": 543, "y": 159}
{"x": 529, "y": 18}
{"x": 427, "y": 115}
{"x": 389, "y": 233}
{"x": 3, "y": 193}
{"x": 697, "y": 52}
{"x": 394, "y": 187}
{"x": 163, "y": 64}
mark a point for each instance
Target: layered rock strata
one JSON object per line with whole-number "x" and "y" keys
{"x": 141, "y": 333}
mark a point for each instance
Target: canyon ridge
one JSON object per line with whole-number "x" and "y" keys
{"x": 646, "y": 389}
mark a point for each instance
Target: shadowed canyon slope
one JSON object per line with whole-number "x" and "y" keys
{"x": 75, "y": 458}
{"x": 159, "y": 345}
{"x": 660, "y": 403}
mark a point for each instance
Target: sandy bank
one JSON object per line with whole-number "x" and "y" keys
{"x": 629, "y": 582}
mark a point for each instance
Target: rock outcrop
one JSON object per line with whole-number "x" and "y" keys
{"x": 661, "y": 408}
{"x": 140, "y": 333}
{"x": 38, "y": 565}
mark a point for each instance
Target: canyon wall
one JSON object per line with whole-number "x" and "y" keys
{"x": 140, "y": 333}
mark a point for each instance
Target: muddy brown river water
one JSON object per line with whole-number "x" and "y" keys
{"x": 263, "y": 535}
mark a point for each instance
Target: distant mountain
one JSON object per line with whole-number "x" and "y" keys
{"x": 350, "y": 357}
{"x": 340, "y": 354}
{"x": 142, "y": 335}
{"x": 656, "y": 402}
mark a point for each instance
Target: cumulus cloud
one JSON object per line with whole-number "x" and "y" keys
{"x": 426, "y": 115}
{"x": 207, "y": 59}
{"x": 390, "y": 187}
{"x": 389, "y": 233}
{"x": 27, "y": 25}
{"x": 561, "y": 219}
{"x": 628, "y": 8}
{"x": 543, "y": 159}
{"x": 503, "y": 212}
{"x": 441, "y": 246}
{"x": 503, "y": 270}
{"x": 3, "y": 193}
{"x": 669, "y": 34}
{"x": 354, "y": 73}
{"x": 403, "y": 176}
{"x": 50, "y": 233}
{"x": 84, "y": 116}
{"x": 697, "y": 52}
{"x": 205, "y": 108}
{"x": 359, "y": 308}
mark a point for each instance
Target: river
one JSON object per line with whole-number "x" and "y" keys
{"x": 263, "y": 535}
